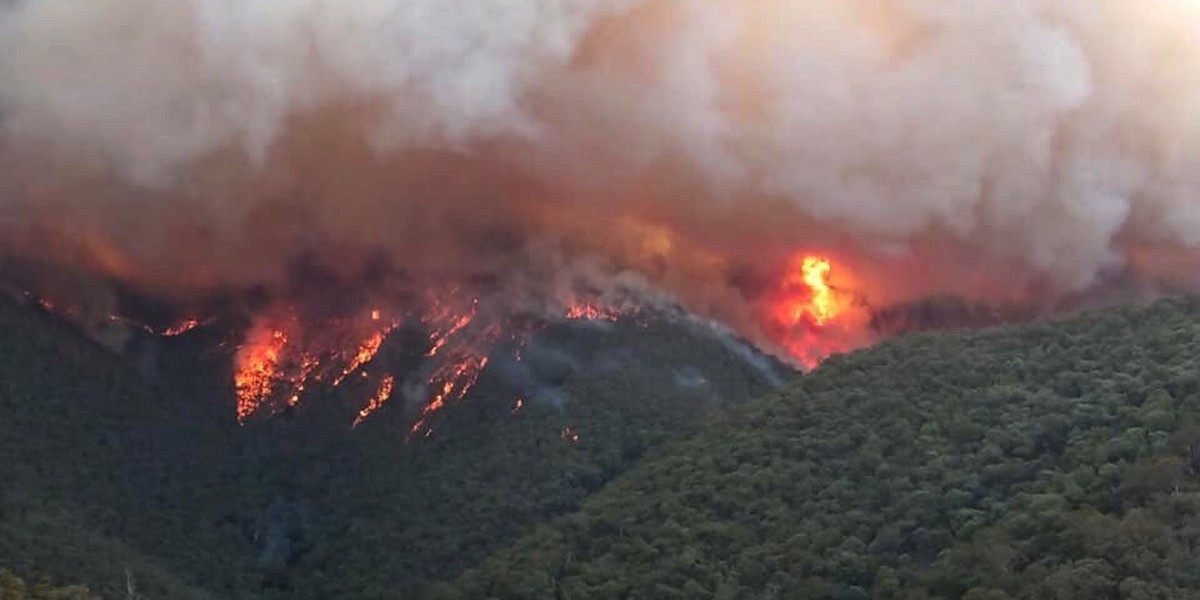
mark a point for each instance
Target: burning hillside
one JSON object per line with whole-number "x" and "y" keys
{"x": 799, "y": 172}
{"x": 282, "y": 352}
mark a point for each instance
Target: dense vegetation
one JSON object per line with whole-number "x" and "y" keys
{"x": 15, "y": 588}
{"x": 1049, "y": 461}
{"x": 114, "y": 473}
{"x": 1054, "y": 460}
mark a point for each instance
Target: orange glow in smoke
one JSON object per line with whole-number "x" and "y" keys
{"x": 812, "y": 298}
{"x": 808, "y": 315}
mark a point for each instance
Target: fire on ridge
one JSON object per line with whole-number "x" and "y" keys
{"x": 282, "y": 357}
{"x": 806, "y": 307}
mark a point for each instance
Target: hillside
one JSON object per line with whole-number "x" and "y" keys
{"x": 114, "y": 465}
{"x": 1054, "y": 460}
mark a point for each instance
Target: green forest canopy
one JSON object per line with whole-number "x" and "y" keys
{"x": 1054, "y": 460}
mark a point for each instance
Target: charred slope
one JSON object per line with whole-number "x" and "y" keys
{"x": 1051, "y": 460}
{"x": 136, "y": 463}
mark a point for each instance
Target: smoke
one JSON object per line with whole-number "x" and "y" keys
{"x": 1019, "y": 149}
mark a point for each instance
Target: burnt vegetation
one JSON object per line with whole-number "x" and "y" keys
{"x": 1053, "y": 460}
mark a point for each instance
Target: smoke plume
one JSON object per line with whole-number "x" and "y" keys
{"x": 1027, "y": 150}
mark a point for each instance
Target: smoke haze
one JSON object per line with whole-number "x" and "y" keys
{"x": 1026, "y": 149}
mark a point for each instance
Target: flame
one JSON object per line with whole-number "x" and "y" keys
{"x": 458, "y": 354}
{"x": 258, "y": 370}
{"x": 277, "y": 366}
{"x": 590, "y": 311}
{"x": 518, "y": 405}
{"x": 811, "y": 297}
{"x": 451, "y": 381}
{"x": 823, "y": 306}
{"x": 440, "y": 336}
{"x": 51, "y": 307}
{"x": 366, "y": 352}
{"x": 180, "y": 328}
{"x": 809, "y": 316}
{"x": 381, "y": 395}
{"x": 308, "y": 365}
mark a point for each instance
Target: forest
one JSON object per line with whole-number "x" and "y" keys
{"x": 109, "y": 470}
{"x": 1055, "y": 459}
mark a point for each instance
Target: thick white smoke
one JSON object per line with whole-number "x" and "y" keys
{"x": 1056, "y": 138}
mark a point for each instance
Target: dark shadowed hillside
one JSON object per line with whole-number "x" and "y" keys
{"x": 113, "y": 466}
{"x": 1055, "y": 461}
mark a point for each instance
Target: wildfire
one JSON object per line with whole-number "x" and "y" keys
{"x": 589, "y": 311}
{"x": 366, "y": 352}
{"x": 823, "y": 306}
{"x": 451, "y": 382}
{"x": 258, "y": 370}
{"x": 381, "y": 395}
{"x": 308, "y": 365}
{"x": 444, "y": 323}
{"x": 279, "y": 360}
{"x": 180, "y": 328}
{"x": 808, "y": 311}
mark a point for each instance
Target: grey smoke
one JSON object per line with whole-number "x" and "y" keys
{"x": 943, "y": 145}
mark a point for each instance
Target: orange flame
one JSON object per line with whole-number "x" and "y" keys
{"x": 452, "y": 381}
{"x": 308, "y": 364}
{"x": 365, "y": 354}
{"x": 588, "y": 311}
{"x": 181, "y": 328}
{"x": 381, "y": 395}
{"x": 275, "y": 368}
{"x": 811, "y": 296}
{"x": 440, "y": 336}
{"x": 808, "y": 311}
{"x": 258, "y": 370}
{"x": 823, "y": 306}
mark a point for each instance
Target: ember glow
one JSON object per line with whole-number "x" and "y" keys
{"x": 383, "y": 394}
{"x": 258, "y": 371}
{"x": 588, "y": 311}
{"x": 181, "y": 328}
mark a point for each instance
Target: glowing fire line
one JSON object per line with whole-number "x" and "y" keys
{"x": 381, "y": 396}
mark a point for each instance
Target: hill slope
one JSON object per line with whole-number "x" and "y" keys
{"x": 1052, "y": 461}
{"x": 108, "y": 468}
{"x": 92, "y": 461}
